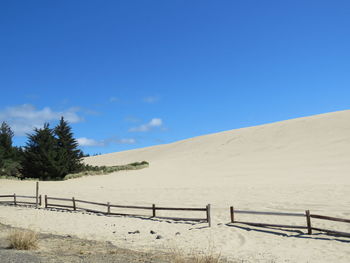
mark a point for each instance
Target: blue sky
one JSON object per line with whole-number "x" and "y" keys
{"x": 130, "y": 74}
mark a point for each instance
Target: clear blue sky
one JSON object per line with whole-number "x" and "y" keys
{"x": 130, "y": 74}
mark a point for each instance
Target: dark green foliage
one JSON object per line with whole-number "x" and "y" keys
{"x": 69, "y": 156}
{"x": 40, "y": 156}
{"x": 6, "y": 135}
{"x": 50, "y": 154}
{"x": 10, "y": 157}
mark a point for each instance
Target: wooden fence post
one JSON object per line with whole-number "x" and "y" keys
{"x": 39, "y": 200}
{"x": 154, "y": 210}
{"x": 308, "y": 221}
{"x": 37, "y": 195}
{"x": 74, "y": 206}
{"x": 108, "y": 208}
{"x": 14, "y": 199}
{"x": 232, "y": 214}
{"x": 208, "y": 215}
{"x": 45, "y": 201}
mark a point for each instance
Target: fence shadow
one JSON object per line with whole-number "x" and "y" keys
{"x": 279, "y": 232}
{"x": 142, "y": 217}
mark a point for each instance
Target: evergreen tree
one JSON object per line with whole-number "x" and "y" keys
{"x": 10, "y": 157}
{"x": 6, "y": 135}
{"x": 41, "y": 156}
{"x": 69, "y": 155}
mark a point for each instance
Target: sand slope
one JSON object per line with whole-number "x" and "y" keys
{"x": 285, "y": 166}
{"x": 288, "y": 150}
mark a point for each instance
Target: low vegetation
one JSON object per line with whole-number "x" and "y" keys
{"x": 101, "y": 170}
{"x": 209, "y": 256}
{"x": 50, "y": 154}
{"x": 23, "y": 239}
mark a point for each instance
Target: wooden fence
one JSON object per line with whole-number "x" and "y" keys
{"x": 75, "y": 205}
{"x": 18, "y": 200}
{"x": 306, "y": 215}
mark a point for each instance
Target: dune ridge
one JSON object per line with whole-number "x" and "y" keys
{"x": 289, "y": 166}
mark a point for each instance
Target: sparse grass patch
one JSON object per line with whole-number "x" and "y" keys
{"x": 178, "y": 256}
{"x": 101, "y": 170}
{"x": 23, "y": 239}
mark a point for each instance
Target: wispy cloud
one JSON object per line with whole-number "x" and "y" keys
{"x": 113, "y": 99}
{"x": 88, "y": 142}
{"x": 126, "y": 141}
{"x": 151, "y": 99}
{"x": 154, "y": 123}
{"x": 23, "y": 118}
{"x": 83, "y": 141}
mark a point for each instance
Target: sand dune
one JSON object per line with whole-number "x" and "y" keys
{"x": 291, "y": 165}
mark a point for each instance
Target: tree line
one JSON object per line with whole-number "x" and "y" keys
{"x": 49, "y": 154}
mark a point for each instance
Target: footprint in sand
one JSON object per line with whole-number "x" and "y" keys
{"x": 242, "y": 240}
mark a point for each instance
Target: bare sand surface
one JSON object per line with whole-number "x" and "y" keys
{"x": 286, "y": 166}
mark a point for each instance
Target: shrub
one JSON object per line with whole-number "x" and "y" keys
{"x": 23, "y": 239}
{"x": 209, "y": 256}
{"x": 100, "y": 170}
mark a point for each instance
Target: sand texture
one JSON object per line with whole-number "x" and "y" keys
{"x": 286, "y": 166}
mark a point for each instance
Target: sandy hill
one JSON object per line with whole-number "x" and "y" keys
{"x": 315, "y": 148}
{"x": 289, "y": 166}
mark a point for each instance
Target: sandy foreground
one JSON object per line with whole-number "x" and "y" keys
{"x": 286, "y": 166}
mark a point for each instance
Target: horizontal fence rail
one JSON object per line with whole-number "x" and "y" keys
{"x": 307, "y": 215}
{"x": 16, "y": 200}
{"x": 75, "y": 205}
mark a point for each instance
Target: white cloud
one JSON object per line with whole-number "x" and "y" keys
{"x": 151, "y": 99}
{"x": 87, "y": 142}
{"x": 83, "y": 141}
{"x": 126, "y": 141}
{"x": 155, "y": 122}
{"x": 23, "y": 118}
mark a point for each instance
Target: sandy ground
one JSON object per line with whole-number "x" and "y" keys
{"x": 287, "y": 166}
{"x": 69, "y": 249}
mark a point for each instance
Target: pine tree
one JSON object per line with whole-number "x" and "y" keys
{"x": 69, "y": 154}
{"x": 6, "y": 135}
{"x": 10, "y": 157}
{"x": 41, "y": 156}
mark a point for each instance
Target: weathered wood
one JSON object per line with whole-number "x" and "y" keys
{"x": 39, "y": 200}
{"x": 37, "y": 195}
{"x": 154, "y": 210}
{"x": 91, "y": 203}
{"x": 208, "y": 215}
{"x": 181, "y": 209}
{"x": 184, "y": 219}
{"x": 74, "y": 205}
{"x": 308, "y": 221}
{"x": 14, "y": 199}
{"x": 268, "y": 213}
{"x": 58, "y": 205}
{"x": 232, "y": 214}
{"x": 269, "y": 225}
{"x": 332, "y": 232}
{"x": 108, "y": 208}
{"x": 133, "y": 207}
{"x": 6, "y": 196}
{"x": 331, "y": 218}
{"x": 25, "y": 196}
{"x": 59, "y": 199}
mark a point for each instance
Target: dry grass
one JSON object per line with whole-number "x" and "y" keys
{"x": 178, "y": 256}
{"x": 23, "y": 239}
